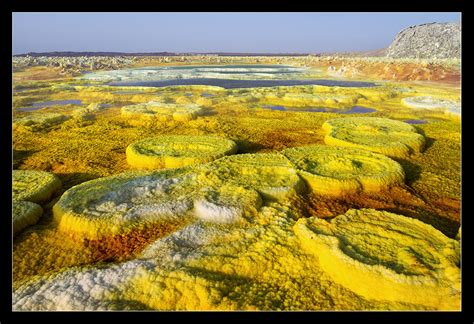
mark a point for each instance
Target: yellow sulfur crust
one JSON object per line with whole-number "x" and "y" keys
{"x": 339, "y": 170}
{"x": 381, "y": 135}
{"x": 177, "y": 151}
{"x": 419, "y": 264}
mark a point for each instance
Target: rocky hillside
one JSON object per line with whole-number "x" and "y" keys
{"x": 429, "y": 41}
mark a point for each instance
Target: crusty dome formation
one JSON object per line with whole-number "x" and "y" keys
{"x": 158, "y": 111}
{"x": 429, "y": 102}
{"x": 29, "y": 189}
{"x": 24, "y": 214}
{"x": 177, "y": 151}
{"x": 38, "y": 121}
{"x": 338, "y": 170}
{"x": 384, "y": 256}
{"x": 35, "y": 186}
{"x": 271, "y": 174}
{"x": 381, "y": 135}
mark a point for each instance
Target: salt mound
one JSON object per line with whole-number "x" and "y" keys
{"x": 34, "y": 186}
{"x": 157, "y": 111}
{"x": 117, "y": 287}
{"x": 177, "y": 151}
{"x": 24, "y": 214}
{"x": 428, "y": 102}
{"x": 38, "y": 121}
{"x": 271, "y": 174}
{"x": 119, "y": 204}
{"x": 226, "y": 205}
{"x": 381, "y": 135}
{"x": 76, "y": 288}
{"x": 338, "y": 170}
{"x": 384, "y": 256}
{"x": 202, "y": 266}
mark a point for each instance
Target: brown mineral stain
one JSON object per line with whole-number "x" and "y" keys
{"x": 43, "y": 249}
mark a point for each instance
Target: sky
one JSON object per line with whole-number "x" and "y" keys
{"x": 213, "y": 32}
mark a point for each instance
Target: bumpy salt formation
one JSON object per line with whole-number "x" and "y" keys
{"x": 177, "y": 151}
{"x": 226, "y": 191}
{"x": 227, "y": 204}
{"x": 428, "y": 102}
{"x": 339, "y": 170}
{"x": 118, "y": 204}
{"x": 38, "y": 121}
{"x": 24, "y": 214}
{"x": 272, "y": 175}
{"x": 28, "y": 188}
{"x": 418, "y": 265}
{"x": 130, "y": 201}
{"x": 381, "y": 135}
{"x": 34, "y": 186}
{"x": 157, "y": 111}
{"x": 87, "y": 113}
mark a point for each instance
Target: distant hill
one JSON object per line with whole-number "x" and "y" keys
{"x": 378, "y": 53}
{"x": 433, "y": 40}
{"x": 74, "y": 54}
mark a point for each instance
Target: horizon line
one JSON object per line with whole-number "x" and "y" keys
{"x": 184, "y": 53}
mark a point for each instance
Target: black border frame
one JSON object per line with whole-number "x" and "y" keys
{"x": 9, "y": 6}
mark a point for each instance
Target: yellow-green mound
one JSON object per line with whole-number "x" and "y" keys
{"x": 35, "y": 186}
{"x": 271, "y": 174}
{"x": 429, "y": 102}
{"x": 227, "y": 204}
{"x": 38, "y": 121}
{"x": 338, "y": 170}
{"x": 119, "y": 204}
{"x": 131, "y": 201}
{"x": 158, "y": 111}
{"x": 382, "y": 135}
{"x": 387, "y": 257}
{"x": 24, "y": 214}
{"x": 177, "y": 151}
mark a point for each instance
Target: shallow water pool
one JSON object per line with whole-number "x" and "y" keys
{"x": 415, "y": 121}
{"x": 39, "y": 105}
{"x": 127, "y": 92}
{"x": 233, "y": 84}
{"x": 353, "y": 110}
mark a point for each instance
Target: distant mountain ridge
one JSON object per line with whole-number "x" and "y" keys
{"x": 76, "y": 54}
{"x": 72, "y": 54}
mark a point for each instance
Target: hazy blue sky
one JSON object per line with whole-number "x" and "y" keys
{"x": 210, "y": 32}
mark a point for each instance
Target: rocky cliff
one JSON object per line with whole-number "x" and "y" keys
{"x": 433, "y": 40}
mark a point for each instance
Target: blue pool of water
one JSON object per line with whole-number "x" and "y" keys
{"x": 28, "y": 108}
{"x": 39, "y": 105}
{"x": 57, "y": 102}
{"x": 415, "y": 121}
{"x": 232, "y": 84}
{"x": 127, "y": 92}
{"x": 210, "y": 67}
{"x": 353, "y": 110}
